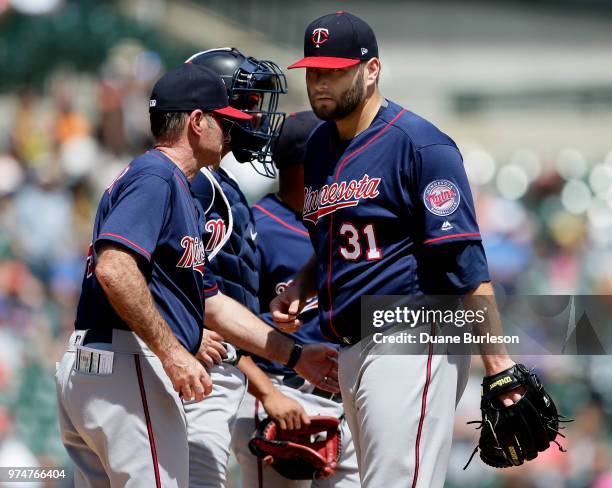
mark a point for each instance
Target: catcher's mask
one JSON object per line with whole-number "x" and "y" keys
{"x": 254, "y": 87}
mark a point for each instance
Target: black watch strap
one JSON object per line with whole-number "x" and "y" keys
{"x": 296, "y": 352}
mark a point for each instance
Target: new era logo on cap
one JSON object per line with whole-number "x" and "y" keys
{"x": 337, "y": 40}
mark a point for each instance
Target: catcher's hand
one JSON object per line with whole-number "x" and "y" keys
{"x": 516, "y": 432}
{"x": 305, "y": 454}
{"x": 211, "y": 351}
{"x": 286, "y": 411}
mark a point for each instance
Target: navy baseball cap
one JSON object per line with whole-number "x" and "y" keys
{"x": 189, "y": 87}
{"x": 337, "y": 40}
{"x": 294, "y": 133}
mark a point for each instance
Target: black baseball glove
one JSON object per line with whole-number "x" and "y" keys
{"x": 510, "y": 435}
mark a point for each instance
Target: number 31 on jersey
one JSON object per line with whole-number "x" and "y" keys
{"x": 352, "y": 250}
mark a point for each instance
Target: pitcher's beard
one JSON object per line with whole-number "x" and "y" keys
{"x": 349, "y": 101}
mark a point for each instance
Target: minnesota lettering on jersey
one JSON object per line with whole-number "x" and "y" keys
{"x": 194, "y": 255}
{"x": 216, "y": 228}
{"x": 329, "y": 198}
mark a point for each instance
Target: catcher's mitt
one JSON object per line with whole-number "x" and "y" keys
{"x": 510, "y": 435}
{"x": 303, "y": 454}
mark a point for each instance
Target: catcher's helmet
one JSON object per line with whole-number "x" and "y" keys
{"x": 253, "y": 86}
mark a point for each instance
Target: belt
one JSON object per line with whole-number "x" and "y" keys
{"x": 296, "y": 382}
{"x": 99, "y": 335}
{"x": 105, "y": 336}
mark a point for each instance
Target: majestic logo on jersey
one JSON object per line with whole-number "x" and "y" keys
{"x": 311, "y": 304}
{"x": 320, "y": 36}
{"x": 216, "y": 228}
{"x": 329, "y": 198}
{"x": 441, "y": 197}
{"x": 194, "y": 256}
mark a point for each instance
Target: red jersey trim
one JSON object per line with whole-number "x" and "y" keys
{"x": 212, "y": 288}
{"x": 331, "y": 218}
{"x": 207, "y": 292}
{"x": 125, "y": 239}
{"x": 452, "y": 236}
{"x": 280, "y": 221}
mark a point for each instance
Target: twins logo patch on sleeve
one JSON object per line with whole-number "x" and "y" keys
{"x": 441, "y": 197}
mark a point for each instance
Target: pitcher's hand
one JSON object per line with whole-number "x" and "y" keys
{"x": 286, "y": 307}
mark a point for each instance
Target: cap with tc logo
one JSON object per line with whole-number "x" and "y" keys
{"x": 337, "y": 40}
{"x": 189, "y": 87}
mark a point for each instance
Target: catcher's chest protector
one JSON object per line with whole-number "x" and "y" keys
{"x": 237, "y": 262}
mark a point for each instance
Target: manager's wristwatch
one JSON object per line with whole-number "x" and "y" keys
{"x": 294, "y": 357}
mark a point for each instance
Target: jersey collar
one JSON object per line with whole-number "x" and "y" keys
{"x": 175, "y": 167}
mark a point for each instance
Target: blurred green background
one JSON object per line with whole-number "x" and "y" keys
{"x": 524, "y": 87}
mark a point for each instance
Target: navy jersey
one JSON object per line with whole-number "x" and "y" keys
{"x": 149, "y": 210}
{"x": 381, "y": 210}
{"x": 285, "y": 248}
{"x": 234, "y": 260}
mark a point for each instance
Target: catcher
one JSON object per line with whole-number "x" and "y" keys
{"x": 302, "y": 433}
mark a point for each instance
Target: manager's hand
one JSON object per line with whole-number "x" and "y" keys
{"x": 319, "y": 365}
{"x": 189, "y": 377}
